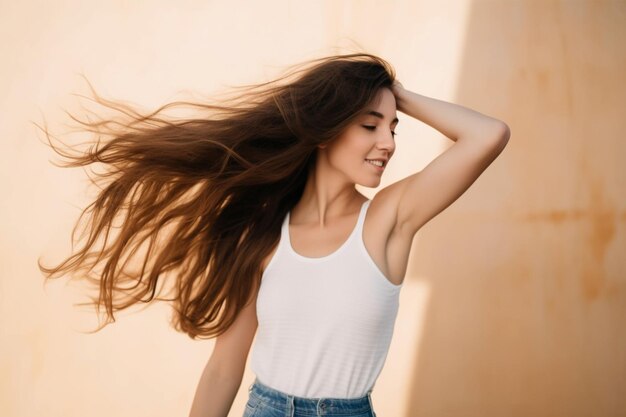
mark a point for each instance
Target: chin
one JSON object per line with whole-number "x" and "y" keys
{"x": 371, "y": 183}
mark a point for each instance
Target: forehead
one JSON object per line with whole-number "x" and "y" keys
{"x": 382, "y": 107}
{"x": 378, "y": 115}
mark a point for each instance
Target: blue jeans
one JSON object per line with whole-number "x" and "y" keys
{"x": 264, "y": 401}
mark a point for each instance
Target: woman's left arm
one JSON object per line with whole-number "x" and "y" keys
{"x": 478, "y": 138}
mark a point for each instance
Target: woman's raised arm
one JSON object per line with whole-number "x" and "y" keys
{"x": 479, "y": 140}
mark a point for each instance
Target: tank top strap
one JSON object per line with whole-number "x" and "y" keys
{"x": 361, "y": 219}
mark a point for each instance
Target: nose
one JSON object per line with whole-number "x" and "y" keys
{"x": 387, "y": 143}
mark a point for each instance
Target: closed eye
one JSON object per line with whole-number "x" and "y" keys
{"x": 374, "y": 128}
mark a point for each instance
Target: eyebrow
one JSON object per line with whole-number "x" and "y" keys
{"x": 380, "y": 115}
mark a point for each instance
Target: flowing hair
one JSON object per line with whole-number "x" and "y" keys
{"x": 199, "y": 202}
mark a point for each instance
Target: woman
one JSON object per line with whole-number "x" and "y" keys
{"x": 266, "y": 233}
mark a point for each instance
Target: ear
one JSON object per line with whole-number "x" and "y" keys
{"x": 322, "y": 146}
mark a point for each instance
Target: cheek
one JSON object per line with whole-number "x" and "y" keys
{"x": 358, "y": 143}
{"x": 349, "y": 145}
{"x": 349, "y": 149}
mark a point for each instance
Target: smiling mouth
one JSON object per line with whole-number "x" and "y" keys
{"x": 376, "y": 162}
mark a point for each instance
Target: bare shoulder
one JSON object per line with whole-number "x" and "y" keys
{"x": 388, "y": 247}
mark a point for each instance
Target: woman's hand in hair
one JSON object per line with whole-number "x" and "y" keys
{"x": 398, "y": 89}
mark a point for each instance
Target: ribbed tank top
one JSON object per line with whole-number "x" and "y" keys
{"x": 324, "y": 324}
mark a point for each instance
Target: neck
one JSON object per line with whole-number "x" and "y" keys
{"x": 323, "y": 199}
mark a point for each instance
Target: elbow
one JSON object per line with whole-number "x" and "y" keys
{"x": 503, "y": 136}
{"x": 503, "y": 132}
{"x": 500, "y": 138}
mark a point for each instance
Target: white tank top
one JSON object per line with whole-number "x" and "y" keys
{"x": 325, "y": 324}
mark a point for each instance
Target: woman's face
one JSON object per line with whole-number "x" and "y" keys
{"x": 369, "y": 137}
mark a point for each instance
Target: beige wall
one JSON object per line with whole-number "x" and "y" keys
{"x": 515, "y": 299}
{"x": 527, "y": 275}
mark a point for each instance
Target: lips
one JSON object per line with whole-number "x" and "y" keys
{"x": 382, "y": 159}
{"x": 377, "y": 167}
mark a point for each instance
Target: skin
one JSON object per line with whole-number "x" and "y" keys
{"x": 323, "y": 219}
{"x": 326, "y": 214}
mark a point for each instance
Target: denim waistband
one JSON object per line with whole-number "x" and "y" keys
{"x": 313, "y": 406}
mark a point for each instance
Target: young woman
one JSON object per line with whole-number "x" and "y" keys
{"x": 254, "y": 226}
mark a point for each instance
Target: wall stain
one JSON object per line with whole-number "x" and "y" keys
{"x": 598, "y": 229}
{"x": 600, "y": 234}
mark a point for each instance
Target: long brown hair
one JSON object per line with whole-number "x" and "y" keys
{"x": 208, "y": 195}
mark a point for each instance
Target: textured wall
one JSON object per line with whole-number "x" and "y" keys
{"x": 526, "y": 271}
{"x": 514, "y": 295}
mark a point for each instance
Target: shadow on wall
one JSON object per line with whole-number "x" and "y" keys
{"x": 526, "y": 269}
